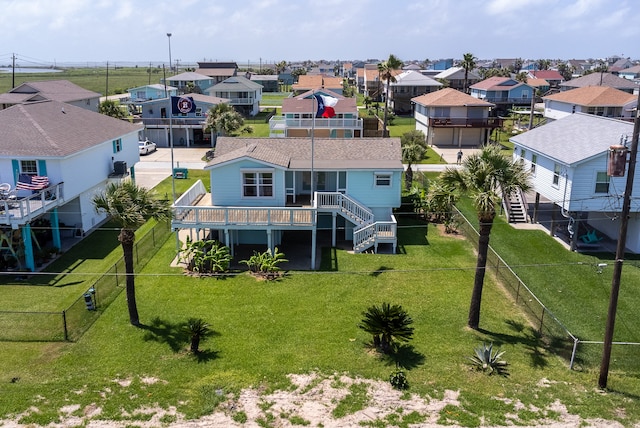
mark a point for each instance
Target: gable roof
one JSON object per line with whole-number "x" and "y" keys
{"x": 55, "y": 90}
{"x": 307, "y": 81}
{"x": 456, "y": 73}
{"x": 414, "y": 78}
{"x": 574, "y": 138}
{"x": 304, "y": 103}
{"x": 235, "y": 83}
{"x": 295, "y": 153}
{"x": 596, "y": 96}
{"x": 599, "y": 79}
{"x": 189, "y": 76}
{"x": 546, "y": 74}
{"x": 497, "y": 83}
{"x": 449, "y": 97}
{"x": 156, "y": 86}
{"x": 536, "y": 83}
{"x": 56, "y": 129}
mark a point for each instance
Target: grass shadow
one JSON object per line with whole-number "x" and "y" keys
{"x": 380, "y": 270}
{"x": 535, "y": 344}
{"x": 165, "y": 332}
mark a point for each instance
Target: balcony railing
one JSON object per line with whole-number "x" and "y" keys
{"x": 17, "y": 212}
{"x": 465, "y": 122}
{"x": 280, "y": 122}
{"x": 196, "y": 122}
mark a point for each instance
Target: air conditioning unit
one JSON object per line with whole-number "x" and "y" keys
{"x": 120, "y": 168}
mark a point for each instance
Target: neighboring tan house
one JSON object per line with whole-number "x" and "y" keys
{"x": 299, "y": 119}
{"x": 54, "y": 90}
{"x": 455, "y": 77}
{"x": 372, "y": 82}
{"x": 600, "y": 79}
{"x": 504, "y": 92}
{"x": 450, "y": 118}
{"x": 244, "y": 95}
{"x": 553, "y": 77}
{"x": 54, "y": 157}
{"x": 568, "y": 159}
{"x": 308, "y": 82}
{"x": 187, "y": 128}
{"x": 191, "y": 82}
{"x": 219, "y": 71}
{"x": 540, "y": 86}
{"x": 409, "y": 84}
{"x": 262, "y": 192}
{"x": 598, "y": 100}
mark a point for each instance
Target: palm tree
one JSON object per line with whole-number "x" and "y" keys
{"x": 386, "y": 70}
{"x": 414, "y": 146}
{"x": 197, "y": 329}
{"x": 482, "y": 177}
{"x": 387, "y": 324}
{"x": 130, "y": 206}
{"x": 111, "y": 108}
{"x": 468, "y": 63}
{"x": 223, "y": 118}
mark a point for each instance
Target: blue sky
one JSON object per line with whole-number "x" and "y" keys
{"x": 41, "y": 31}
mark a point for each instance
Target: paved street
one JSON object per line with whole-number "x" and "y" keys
{"x": 156, "y": 166}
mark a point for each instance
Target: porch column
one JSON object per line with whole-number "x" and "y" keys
{"x": 552, "y": 228}
{"x": 55, "y": 228}
{"x": 313, "y": 249}
{"x": 227, "y": 241}
{"x": 269, "y": 241}
{"x": 333, "y": 229}
{"x": 536, "y": 207}
{"x": 28, "y": 247}
{"x": 576, "y": 229}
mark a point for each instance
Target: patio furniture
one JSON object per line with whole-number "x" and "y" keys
{"x": 590, "y": 237}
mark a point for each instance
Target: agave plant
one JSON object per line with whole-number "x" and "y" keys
{"x": 488, "y": 361}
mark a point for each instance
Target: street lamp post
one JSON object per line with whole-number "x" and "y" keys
{"x": 170, "y": 66}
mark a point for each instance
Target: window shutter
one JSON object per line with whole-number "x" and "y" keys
{"x": 115, "y": 147}
{"x": 42, "y": 167}
{"x": 15, "y": 165}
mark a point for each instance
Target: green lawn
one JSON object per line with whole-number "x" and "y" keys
{"x": 306, "y": 322}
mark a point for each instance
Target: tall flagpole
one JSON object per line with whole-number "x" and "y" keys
{"x": 313, "y": 134}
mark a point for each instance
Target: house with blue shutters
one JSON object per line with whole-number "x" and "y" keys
{"x": 67, "y": 154}
{"x": 265, "y": 190}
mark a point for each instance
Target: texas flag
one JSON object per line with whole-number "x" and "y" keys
{"x": 325, "y": 105}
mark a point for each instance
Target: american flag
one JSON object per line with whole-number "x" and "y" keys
{"x": 32, "y": 182}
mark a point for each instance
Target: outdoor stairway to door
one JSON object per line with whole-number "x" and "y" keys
{"x": 367, "y": 232}
{"x": 516, "y": 207}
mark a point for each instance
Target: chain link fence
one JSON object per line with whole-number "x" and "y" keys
{"x": 71, "y": 323}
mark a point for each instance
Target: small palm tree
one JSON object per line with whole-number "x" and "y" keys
{"x": 387, "y": 69}
{"x": 483, "y": 177}
{"x": 224, "y": 119}
{"x": 414, "y": 146}
{"x": 388, "y": 324}
{"x": 197, "y": 330}
{"x": 130, "y": 206}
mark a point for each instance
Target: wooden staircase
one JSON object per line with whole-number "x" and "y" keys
{"x": 515, "y": 205}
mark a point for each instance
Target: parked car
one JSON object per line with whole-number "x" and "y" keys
{"x": 146, "y": 147}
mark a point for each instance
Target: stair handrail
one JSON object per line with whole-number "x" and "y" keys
{"x": 347, "y": 203}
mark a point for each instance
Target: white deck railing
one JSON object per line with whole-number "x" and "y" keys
{"x": 336, "y": 201}
{"x": 281, "y": 122}
{"x": 20, "y": 211}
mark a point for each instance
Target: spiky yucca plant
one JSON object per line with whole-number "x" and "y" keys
{"x": 488, "y": 361}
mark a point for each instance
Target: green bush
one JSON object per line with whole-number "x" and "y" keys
{"x": 399, "y": 380}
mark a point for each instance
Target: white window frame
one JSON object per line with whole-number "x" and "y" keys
{"x": 382, "y": 179}
{"x": 534, "y": 163}
{"x": 557, "y": 169}
{"x": 25, "y": 167}
{"x": 607, "y": 182}
{"x": 258, "y": 184}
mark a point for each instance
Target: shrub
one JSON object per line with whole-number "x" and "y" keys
{"x": 265, "y": 264}
{"x": 387, "y": 324}
{"x": 399, "y": 380}
{"x": 197, "y": 330}
{"x": 204, "y": 257}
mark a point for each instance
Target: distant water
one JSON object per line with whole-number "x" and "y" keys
{"x": 30, "y": 70}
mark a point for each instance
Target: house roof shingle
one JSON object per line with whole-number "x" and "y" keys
{"x": 56, "y": 90}
{"x": 56, "y": 129}
{"x": 449, "y": 97}
{"x": 574, "y": 138}
{"x": 600, "y": 79}
{"x": 596, "y": 96}
{"x": 295, "y": 153}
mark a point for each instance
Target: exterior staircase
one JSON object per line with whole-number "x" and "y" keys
{"x": 515, "y": 205}
{"x": 367, "y": 232}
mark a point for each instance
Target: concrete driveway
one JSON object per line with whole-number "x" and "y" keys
{"x": 156, "y": 166}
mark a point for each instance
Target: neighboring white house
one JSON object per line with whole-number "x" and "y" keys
{"x": 451, "y": 118}
{"x": 244, "y": 95}
{"x": 262, "y": 189}
{"x": 568, "y": 160}
{"x": 72, "y": 153}
{"x": 409, "y": 84}
{"x": 598, "y": 100}
{"x": 455, "y": 77}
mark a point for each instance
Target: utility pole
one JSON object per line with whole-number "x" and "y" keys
{"x": 617, "y": 267}
{"x": 13, "y": 71}
{"x": 106, "y": 92}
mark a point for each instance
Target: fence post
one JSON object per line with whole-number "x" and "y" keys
{"x": 64, "y": 325}
{"x": 541, "y": 320}
{"x": 573, "y": 352}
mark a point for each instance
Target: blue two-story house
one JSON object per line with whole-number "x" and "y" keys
{"x": 504, "y": 92}
{"x": 265, "y": 189}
